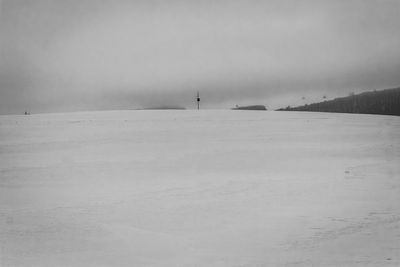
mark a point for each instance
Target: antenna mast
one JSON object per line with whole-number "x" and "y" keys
{"x": 198, "y": 100}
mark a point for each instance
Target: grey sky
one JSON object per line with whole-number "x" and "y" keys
{"x": 64, "y": 55}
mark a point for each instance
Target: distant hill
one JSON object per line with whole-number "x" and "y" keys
{"x": 386, "y": 102}
{"x": 255, "y": 107}
{"x": 166, "y": 107}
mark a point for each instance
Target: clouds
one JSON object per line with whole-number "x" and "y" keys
{"x": 106, "y": 52}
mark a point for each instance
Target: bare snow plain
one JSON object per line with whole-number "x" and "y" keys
{"x": 199, "y": 188}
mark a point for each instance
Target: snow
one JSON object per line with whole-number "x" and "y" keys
{"x": 199, "y": 188}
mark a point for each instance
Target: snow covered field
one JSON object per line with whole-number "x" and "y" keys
{"x": 199, "y": 188}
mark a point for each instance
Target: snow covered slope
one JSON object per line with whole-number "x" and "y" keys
{"x": 199, "y": 188}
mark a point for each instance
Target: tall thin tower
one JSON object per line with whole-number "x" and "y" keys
{"x": 198, "y": 100}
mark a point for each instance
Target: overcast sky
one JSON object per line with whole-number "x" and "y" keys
{"x": 65, "y": 55}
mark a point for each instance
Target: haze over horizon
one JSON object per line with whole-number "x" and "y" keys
{"x": 97, "y": 54}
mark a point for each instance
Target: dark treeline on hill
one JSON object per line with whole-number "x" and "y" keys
{"x": 385, "y": 102}
{"x": 255, "y": 107}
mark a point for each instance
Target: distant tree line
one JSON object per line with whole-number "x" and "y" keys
{"x": 255, "y": 107}
{"x": 385, "y": 102}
